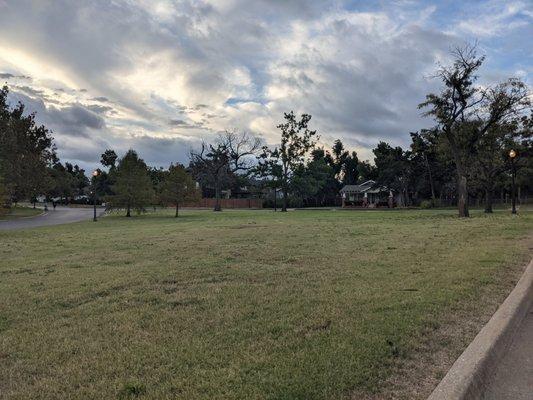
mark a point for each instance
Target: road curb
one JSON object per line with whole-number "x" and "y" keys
{"x": 30, "y": 216}
{"x": 471, "y": 372}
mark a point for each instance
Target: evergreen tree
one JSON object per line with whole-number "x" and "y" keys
{"x": 133, "y": 187}
{"x": 177, "y": 187}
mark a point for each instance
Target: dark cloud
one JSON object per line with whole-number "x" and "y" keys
{"x": 7, "y": 75}
{"x": 70, "y": 120}
{"x": 101, "y": 109}
{"x": 30, "y": 91}
{"x": 177, "y": 122}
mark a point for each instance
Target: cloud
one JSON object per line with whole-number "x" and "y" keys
{"x": 69, "y": 120}
{"x": 497, "y": 17}
{"x": 126, "y": 73}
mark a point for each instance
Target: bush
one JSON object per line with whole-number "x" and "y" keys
{"x": 429, "y": 204}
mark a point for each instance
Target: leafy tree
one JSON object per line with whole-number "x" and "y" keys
{"x": 393, "y": 168}
{"x": 80, "y": 180}
{"x": 105, "y": 180}
{"x": 281, "y": 163}
{"x": 350, "y": 169}
{"x": 423, "y": 148}
{"x": 3, "y": 195}
{"x": 62, "y": 182}
{"x": 311, "y": 180}
{"x": 26, "y": 151}
{"x": 465, "y": 112}
{"x": 177, "y": 186}
{"x": 109, "y": 158}
{"x": 366, "y": 171}
{"x": 491, "y": 159}
{"x": 157, "y": 176}
{"x": 133, "y": 187}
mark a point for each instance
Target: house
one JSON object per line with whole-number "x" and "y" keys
{"x": 367, "y": 194}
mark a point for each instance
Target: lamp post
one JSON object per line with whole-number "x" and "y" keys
{"x": 512, "y": 156}
{"x": 95, "y": 175}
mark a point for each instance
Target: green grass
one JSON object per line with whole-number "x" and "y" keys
{"x": 20, "y": 212}
{"x": 241, "y": 305}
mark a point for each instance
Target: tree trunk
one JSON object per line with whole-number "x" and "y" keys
{"x": 462, "y": 195}
{"x": 488, "y": 201}
{"x": 128, "y": 211}
{"x": 284, "y": 204}
{"x": 217, "y": 198}
{"x": 176, "y": 216}
{"x": 433, "y": 198}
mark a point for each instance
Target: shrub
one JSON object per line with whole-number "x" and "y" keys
{"x": 429, "y": 204}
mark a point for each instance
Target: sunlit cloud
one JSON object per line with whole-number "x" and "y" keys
{"x": 160, "y": 76}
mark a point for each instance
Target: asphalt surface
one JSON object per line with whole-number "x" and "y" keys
{"x": 513, "y": 378}
{"x": 61, "y": 215}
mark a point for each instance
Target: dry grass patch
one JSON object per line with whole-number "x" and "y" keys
{"x": 244, "y": 305}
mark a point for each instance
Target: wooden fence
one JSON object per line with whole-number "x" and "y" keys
{"x": 226, "y": 203}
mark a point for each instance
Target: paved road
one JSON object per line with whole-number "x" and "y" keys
{"x": 61, "y": 215}
{"x": 513, "y": 379}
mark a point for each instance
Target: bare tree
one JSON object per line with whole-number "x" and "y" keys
{"x": 465, "y": 112}
{"x": 216, "y": 164}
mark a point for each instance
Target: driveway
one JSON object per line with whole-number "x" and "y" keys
{"x": 61, "y": 215}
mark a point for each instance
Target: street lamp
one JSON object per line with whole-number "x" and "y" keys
{"x": 512, "y": 156}
{"x": 95, "y": 175}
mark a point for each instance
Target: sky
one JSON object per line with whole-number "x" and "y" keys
{"x": 160, "y": 76}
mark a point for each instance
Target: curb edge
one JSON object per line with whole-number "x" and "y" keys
{"x": 469, "y": 374}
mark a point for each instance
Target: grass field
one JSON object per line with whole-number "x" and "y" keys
{"x": 20, "y": 212}
{"x": 249, "y": 304}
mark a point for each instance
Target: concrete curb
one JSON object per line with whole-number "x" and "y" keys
{"x": 30, "y": 216}
{"x": 471, "y": 372}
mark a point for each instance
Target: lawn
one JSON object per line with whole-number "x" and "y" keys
{"x": 20, "y": 212}
{"x": 249, "y": 304}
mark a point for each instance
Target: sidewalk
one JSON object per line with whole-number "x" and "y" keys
{"x": 513, "y": 378}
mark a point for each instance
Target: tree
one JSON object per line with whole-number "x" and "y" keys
{"x": 133, "y": 187}
{"x": 216, "y": 164}
{"x": 80, "y": 180}
{"x": 27, "y": 150}
{"x": 62, "y": 182}
{"x": 423, "y": 148}
{"x": 177, "y": 186}
{"x": 311, "y": 180}
{"x": 296, "y": 141}
{"x": 490, "y": 161}
{"x": 366, "y": 171}
{"x": 3, "y": 195}
{"x": 393, "y": 168}
{"x": 109, "y": 158}
{"x": 351, "y": 170}
{"x": 465, "y": 112}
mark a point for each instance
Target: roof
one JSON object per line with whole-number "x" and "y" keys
{"x": 365, "y": 187}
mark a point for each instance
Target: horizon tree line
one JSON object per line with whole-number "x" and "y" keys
{"x": 464, "y": 155}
